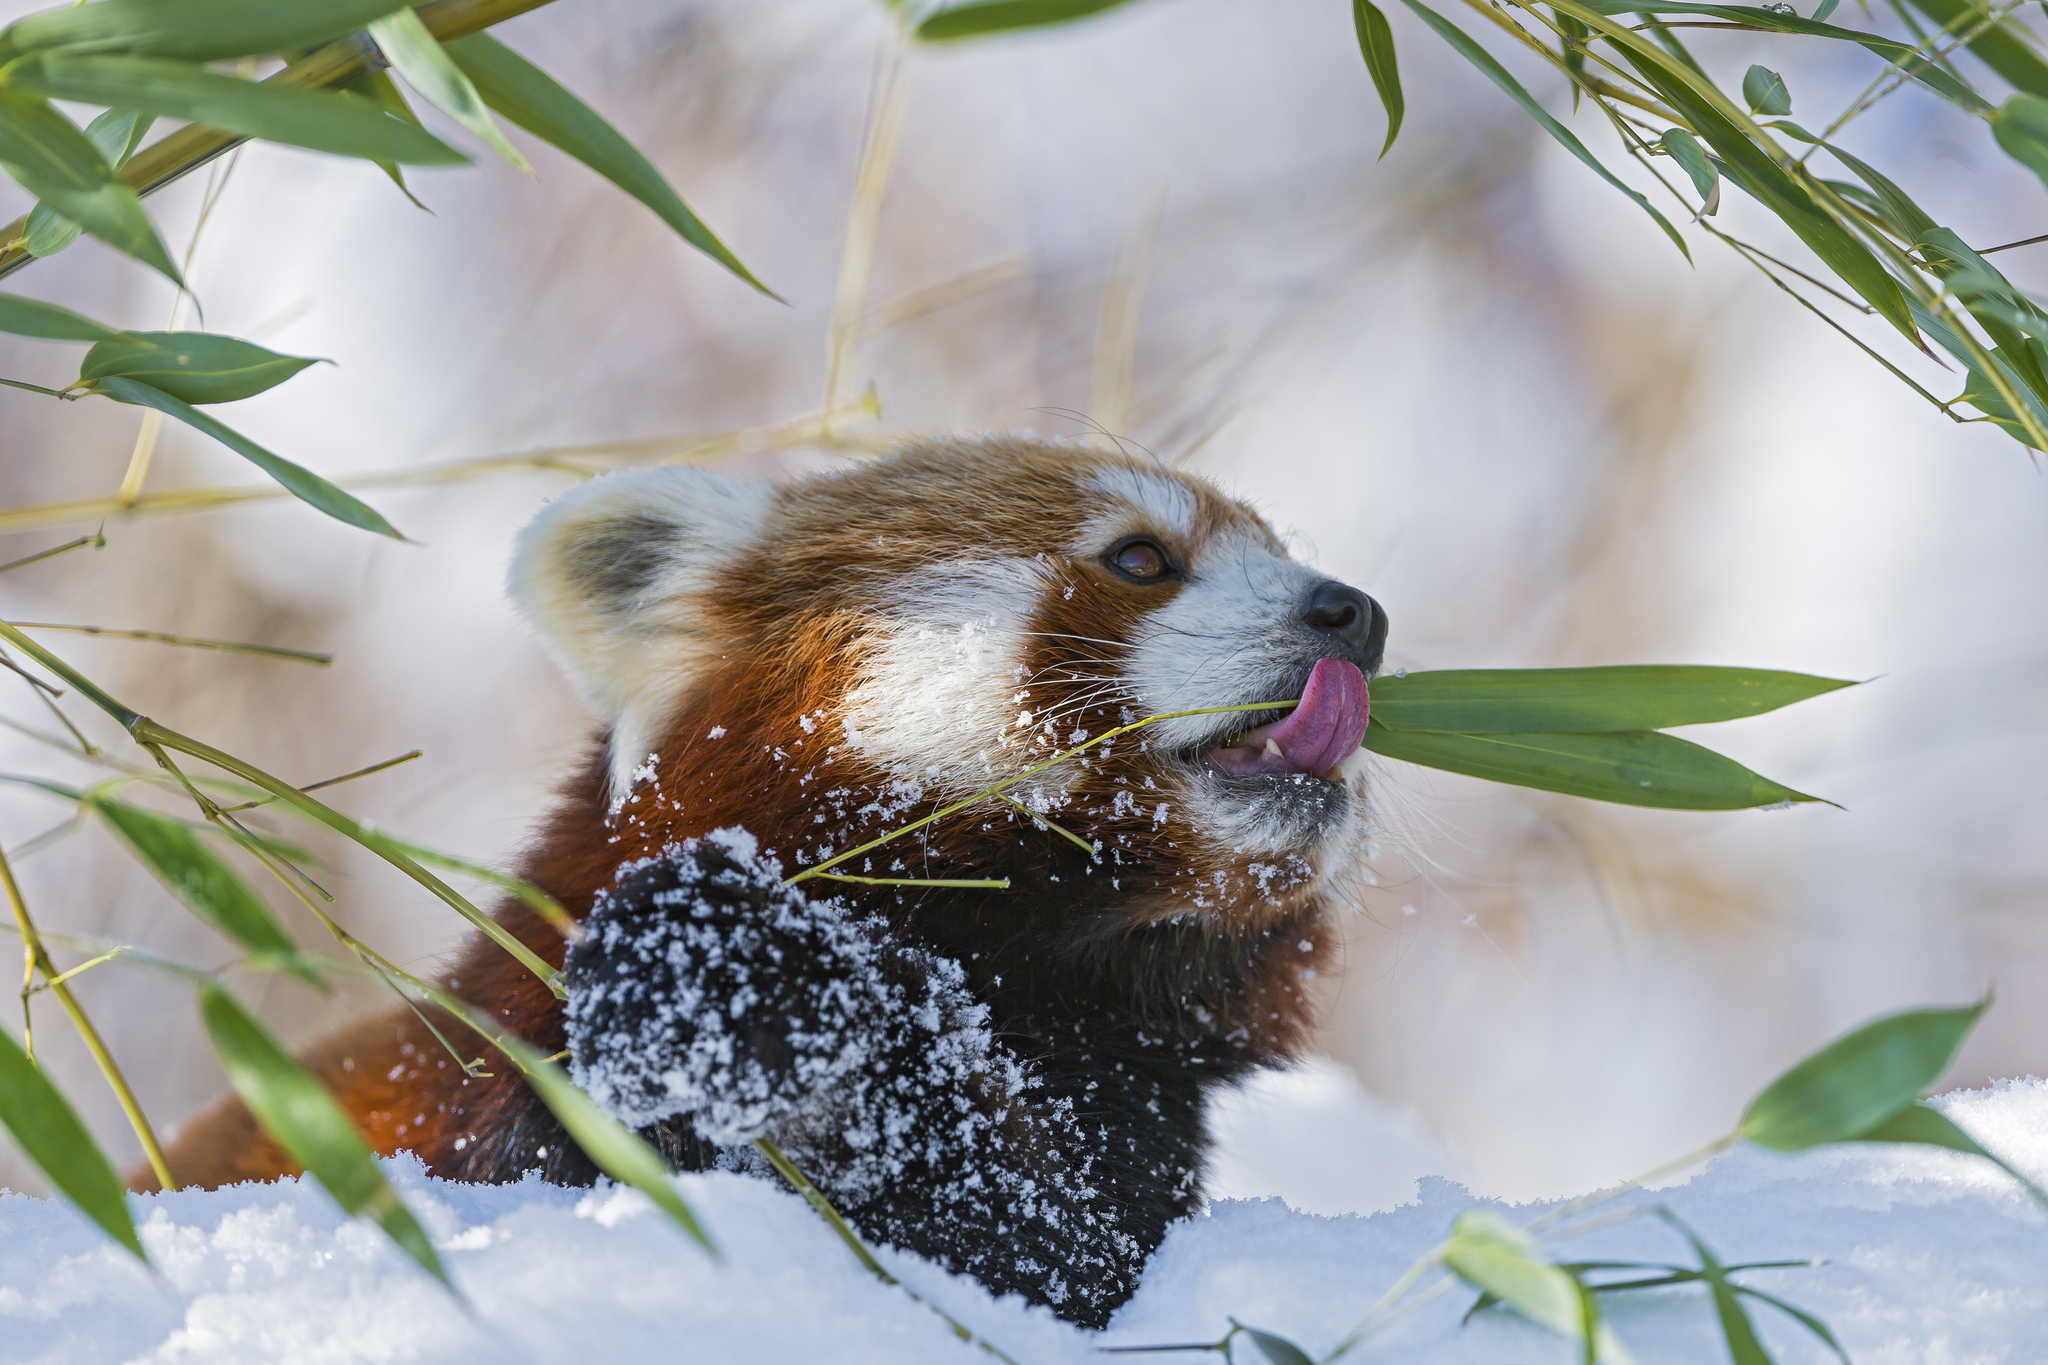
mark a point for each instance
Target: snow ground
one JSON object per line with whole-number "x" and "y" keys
{"x": 1929, "y": 1257}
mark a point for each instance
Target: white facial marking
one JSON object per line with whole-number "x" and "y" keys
{"x": 1229, "y": 637}
{"x": 1161, "y": 502}
{"x": 934, "y": 697}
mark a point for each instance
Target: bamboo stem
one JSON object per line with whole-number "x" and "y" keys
{"x": 39, "y": 957}
{"x": 857, "y": 260}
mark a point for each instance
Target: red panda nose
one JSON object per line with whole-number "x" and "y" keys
{"x": 1354, "y": 624}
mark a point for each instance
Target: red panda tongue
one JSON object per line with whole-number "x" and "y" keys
{"x": 1315, "y": 736}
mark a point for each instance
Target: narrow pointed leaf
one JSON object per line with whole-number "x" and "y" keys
{"x": 1494, "y": 1256}
{"x": 303, "y": 484}
{"x": 194, "y": 367}
{"x": 1902, "y": 55}
{"x": 33, "y": 318}
{"x": 414, "y": 54}
{"x": 532, "y": 99}
{"x": 1004, "y": 16}
{"x": 1999, "y": 47}
{"x": 2021, "y": 127}
{"x": 50, "y": 158}
{"x": 619, "y": 1152}
{"x": 1276, "y": 1349}
{"x": 1751, "y": 167}
{"x": 1921, "y": 1123}
{"x": 116, "y": 134}
{"x": 322, "y": 121}
{"x": 1630, "y": 767}
{"x": 379, "y": 89}
{"x": 1628, "y": 697}
{"x": 1498, "y": 74}
{"x": 194, "y": 30}
{"x": 196, "y": 875}
{"x": 1903, "y": 215}
{"x": 51, "y": 1135}
{"x": 308, "y": 1123}
{"x": 1765, "y": 91}
{"x": 1859, "y": 1081}
{"x": 1799, "y": 1315}
{"x": 1376, "y": 42}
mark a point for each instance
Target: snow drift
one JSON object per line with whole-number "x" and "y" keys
{"x": 1921, "y": 1256}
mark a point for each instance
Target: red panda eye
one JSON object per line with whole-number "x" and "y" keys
{"x": 1140, "y": 559}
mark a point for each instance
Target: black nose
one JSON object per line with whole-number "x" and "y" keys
{"x": 1354, "y": 622}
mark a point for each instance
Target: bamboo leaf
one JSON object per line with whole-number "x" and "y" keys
{"x": 1005, "y": 16}
{"x": 532, "y": 99}
{"x": 50, "y": 1134}
{"x": 1277, "y": 1350}
{"x": 1498, "y": 74}
{"x": 1999, "y": 46}
{"x": 1902, "y": 55}
{"x": 1685, "y": 150}
{"x": 303, "y": 484}
{"x": 116, "y": 134}
{"x": 193, "y": 30}
{"x": 414, "y": 54}
{"x": 1633, "y": 768}
{"x": 1585, "y": 700}
{"x": 1496, "y": 1257}
{"x": 197, "y": 876}
{"x": 33, "y": 318}
{"x": 2021, "y": 127}
{"x": 51, "y": 159}
{"x": 379, "y": 89}
{"x": 1921, "y": 1123}
{"x": 1376, "y": 42}
{"x": 308, "y": 1123}
{"x": 619, "y": 1153}
{"x": 1857, "y": 1083}
{"x": 194, "y": 367}
{"x": 320, "y": 120}
{"x": 1753, "y": 168}
{"x": 1765, "y": 90}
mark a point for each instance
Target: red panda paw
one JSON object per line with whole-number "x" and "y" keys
{"x": 703, "y": 987}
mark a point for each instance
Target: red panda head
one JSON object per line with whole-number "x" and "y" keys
{"x": 828, "y": 660}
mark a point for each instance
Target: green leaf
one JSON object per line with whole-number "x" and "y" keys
{"x": 1900, "y": 213}
{"x": 1481, "y": 701}
{"x": 1494, "y": 1256}
{"x": 1630, "y": 767}
{"x": 1751, "y": 167}
{"x": 1498, "y": 74}
{"x": 1278, "y": 1350}
{"x": 308, "y": 1123}
{"x": 33, "y": 318}
{"x": 2000, "y": 47}
{"x": 618, "y": 1151}
{"x": 51, "y": 159}
{"x": 303, "y": 484}
{"x": 50, "y": 1134}
{"x": 1824, "y": 9}
{"x": 1686, "y": 151}
{"x": 531, "y": 98}
{"x": 1921, "y": 1123}
{"x": 1765, "y": 91}
{"x": 116, "y": 134}
{"x": 2021, "y": 127}
{"x": 427, "y": 68}
{"x": 1859, "y": 1081}
{"x": 2003, "y": 311}
{"x": 194, "y": 30}
{"x": 1902, "y": 55}
{"x": 377, "y": 88}
{"x": 194, "y": 367}
{"x": 1376, "y": 42}
{"x": 320, "y": 120}
{"x": 1799, "y": 1315}
{"x": 1004, "y": 16}
{"x": 196, "y": 875}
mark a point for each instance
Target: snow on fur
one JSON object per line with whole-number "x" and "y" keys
{"x": 706, "y": 993}
{"x": 1927, "y": 1256}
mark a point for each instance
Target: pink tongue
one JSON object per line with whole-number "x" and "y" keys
{"x": 1315, "y": 737}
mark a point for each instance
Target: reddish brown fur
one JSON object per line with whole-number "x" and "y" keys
{"x": 793, "y": 641}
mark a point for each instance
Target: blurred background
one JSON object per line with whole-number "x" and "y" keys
{"x": 1469, "y": 378}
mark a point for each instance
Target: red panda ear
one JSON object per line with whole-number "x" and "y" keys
{"x": 613, "y": 574}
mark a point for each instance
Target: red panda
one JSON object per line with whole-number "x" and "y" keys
{"x": 1009, "y": 1081}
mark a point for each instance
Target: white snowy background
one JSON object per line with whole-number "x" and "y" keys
{"x": 1469, "y": 378}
